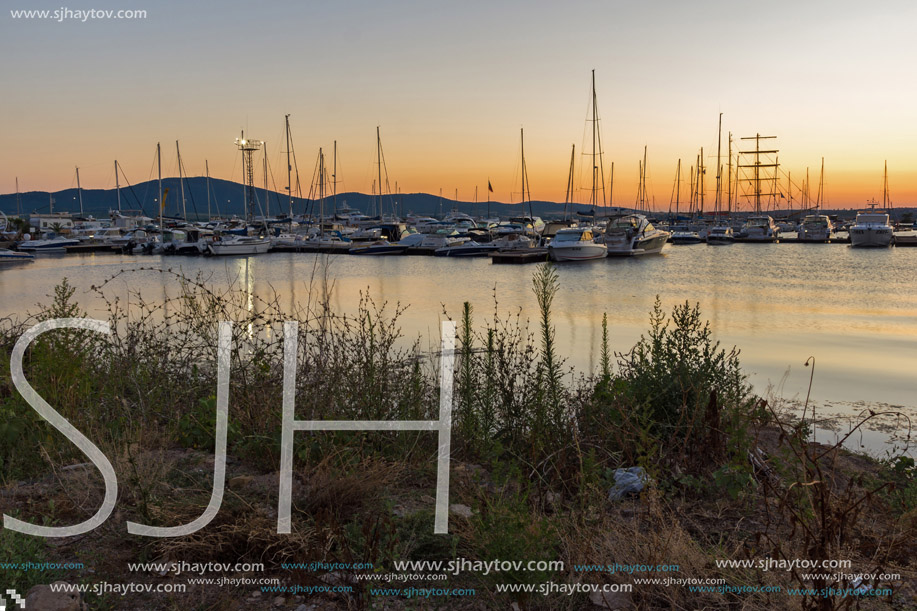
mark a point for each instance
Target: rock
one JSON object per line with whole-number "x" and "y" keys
{"x": 615, "y": 601}
{"x": 304, "y": 608}
{"x": 628, "y": 481}
{"x": 255, "y": 594}
{"x": 41, "y": 597}
{"x": 280, "y": 601}
{"x": 463, "y": 511}
{"x": 240, "y": 480}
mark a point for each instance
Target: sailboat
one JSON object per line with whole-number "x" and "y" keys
{"x": 760, "y": 227}
{"x": 721, "y": 233}
{"x": 872, "y": 228}
{"x": 381, "y": 245}
{"x": 816, "y": 227}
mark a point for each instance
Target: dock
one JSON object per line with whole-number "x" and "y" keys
{"x": 527, "y": 255}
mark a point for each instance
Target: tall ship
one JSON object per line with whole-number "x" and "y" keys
{"x": 758, "y": 174}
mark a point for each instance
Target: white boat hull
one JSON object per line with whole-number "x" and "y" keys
{"x": 577, "y": 251}
{"x": 239, "y": 248}
{"x": 870, "y": 237}
{"x": 622, "y": 246}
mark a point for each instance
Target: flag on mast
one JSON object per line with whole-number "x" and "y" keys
{"x": 490, "y": 186}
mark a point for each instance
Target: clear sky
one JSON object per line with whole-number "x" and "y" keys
{"x": 452, "y": 83}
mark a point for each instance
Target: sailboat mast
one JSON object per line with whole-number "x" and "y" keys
{"x": 207, "y": 172}
{"x": 267, "y": 199}
{"x": 117, "y": 186}
{"x": 159, "y": 170}
{"x": 644, "y": 205}
{"x": 719, "y": 170}
{"x": 18, "y": 203}
{"x": 885, "y": 187}
{"x": 289, "y": 170}
{"x": 821, "y": 185}
{"x": 79, "y": 190}
{"x": 321, "y": 193}
{"x": 611, "y": 186}
{"x": 181, "y": 184}
{"x": 568, "y": 199}
{"x": 379, "y": 153}
{"x": 729, "y": 195}
{"x": 334, "y": 179}
{"x": 594, "y": 128}
{"x": 677, "y": 188}
{"x": 789, "y": 190}
{"x": 700, "y": 181}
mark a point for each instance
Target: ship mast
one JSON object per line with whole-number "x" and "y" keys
{"x": 719, "y": 170}
{"x": 568, "y": 198}
{"x": 79, "y": 190}
{"x": 379, "y": 153}
{"x": 159, "y": 170}
{"x": 117, "y": 186}
{"x": 181, "y": 184}
{"x": 759, "y": 168}
{"x": 207, "y": 172}
{"x": 289, "y": 171}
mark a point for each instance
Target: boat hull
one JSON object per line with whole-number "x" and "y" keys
{"x": 650, "y": 245}
{"x": 577, "y": 252}
{"x": 462, "y": 251}
{"x": 378, "y": 250}
{"x": 870, "y": 237}
{"x": 231, "y": 249}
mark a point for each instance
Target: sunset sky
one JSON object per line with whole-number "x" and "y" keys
{"x": 451, "y": 83}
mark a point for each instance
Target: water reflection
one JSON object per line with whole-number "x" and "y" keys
{"x": 851, "y": 309}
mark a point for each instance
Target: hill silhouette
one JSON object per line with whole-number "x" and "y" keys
{"x": 226, "y": 199}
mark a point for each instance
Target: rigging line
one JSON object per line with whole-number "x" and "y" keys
{"x": 184, "y": 172}
{"x": 310, "y": 202}
{"x": 131, "y": 189}
{"x": 270, "y": 171}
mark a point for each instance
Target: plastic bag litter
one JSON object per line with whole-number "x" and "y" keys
{"x": 627, "y": 481}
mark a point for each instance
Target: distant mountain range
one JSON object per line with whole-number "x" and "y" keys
{"x": 226, "y": 199}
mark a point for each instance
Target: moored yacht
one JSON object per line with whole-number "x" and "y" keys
{"x": 575, "y": 244}
{"x": 720, "y": 234}
{"x": 632, "y": 235}
{"x": 236, "y": 245}
{"x": 815, "y": 228}
{"x": 51, "y": 243}
{"x": 871, "y": 229}
{"x": 7, "y": 255}
{"x": 683, "y": 234}
{"x": 759, "y": 229}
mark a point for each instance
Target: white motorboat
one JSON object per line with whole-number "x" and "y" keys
{"x": 720, "y": 234}
{"x": 7, "y": 256}
{"x": 632, "y": 235}
{"x": 236, "y": 245}
{"x": 576, "y": 244}
{"x": 50, "y": 244}
{"x": 465, "y": 249}
{"x": 815, "y": 228}
{"x": 683, "y": 234}
{"x": 513, "y": 241}
{"x": 377, "y": 247}
{"x": 871, "y": 229}
{"x": 759, "y": 229}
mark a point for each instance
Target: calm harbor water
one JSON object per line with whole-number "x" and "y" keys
{"x": 854, "y": 310}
